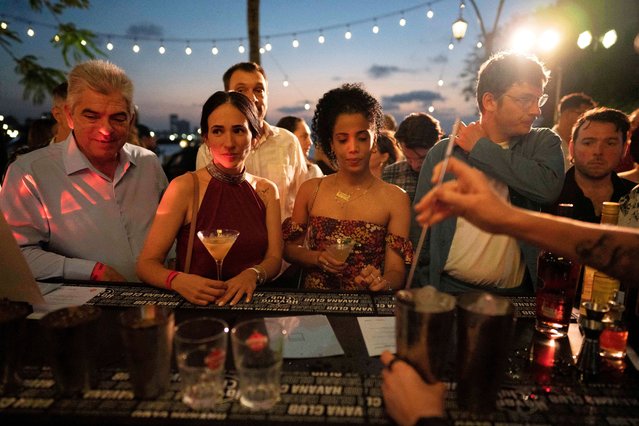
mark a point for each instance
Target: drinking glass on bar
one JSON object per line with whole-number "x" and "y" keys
{"x": 258, "y": 346}
{"x": 200, "y": 351}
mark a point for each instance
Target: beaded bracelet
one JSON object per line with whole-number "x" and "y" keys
{"x": 260, "y": 272}
{"x": 169, "y": 279}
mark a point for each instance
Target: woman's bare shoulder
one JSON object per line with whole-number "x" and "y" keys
{"x": 394, "y": 192}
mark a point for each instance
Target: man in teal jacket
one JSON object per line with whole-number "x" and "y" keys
{"x": 524, "y": 165}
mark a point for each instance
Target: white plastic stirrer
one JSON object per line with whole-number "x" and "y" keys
{"x": 442, "y": 172}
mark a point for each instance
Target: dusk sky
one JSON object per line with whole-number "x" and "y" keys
{"x": 400, "y": 65}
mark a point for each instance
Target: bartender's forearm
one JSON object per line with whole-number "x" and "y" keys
{"x": 613, "y": 250}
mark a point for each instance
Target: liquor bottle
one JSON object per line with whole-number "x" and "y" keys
{"x": 557, "y": 278}
{"x": 609, "y": 216}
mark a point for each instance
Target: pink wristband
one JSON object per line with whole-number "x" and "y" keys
{"x": 97, "y": 272}
{"x": 169, "y": 279}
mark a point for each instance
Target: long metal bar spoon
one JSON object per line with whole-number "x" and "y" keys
{"x": 422, "y": 236}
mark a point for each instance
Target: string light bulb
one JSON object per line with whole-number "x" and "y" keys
{"x": 609, "y": 39}
{"x": 214, "y": 49}
{"x": 109, "y": 45}
{"x": 161, "y": 49}
{"x": 431, "y": 109}
{"x": 375, "y": 28}
{"x": 268, "y": 46}
{"x": 307, "y": 106}
{"x": 241, "y": 48}
{"x": 30, "y": 31}
{"x": 451, "y": 46}
{"x": 480, "y": 45}
{"x": 321, "y": 39}
{"x": 429, "y": 12}
{"x": 460, "y": 25}
{"x": 4, "y": 25}
{"x": 440, "y": 82}
{"x": 83, "y": 42}
{"x": 285, "y": 82}
{"x": 296, "y": 42}
{"x": 402, "y": 21}
{"x": 136, "y": 47}
{"x": 584, "y": 39}
{"x": 348, "y": 35}
{"x": 262, "y": 50}
{"x": 188, "y": 49}
{"x": 56, "y": 38}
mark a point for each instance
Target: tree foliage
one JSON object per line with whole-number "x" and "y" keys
{"x": 610, "y": 76}
{"x": 75, "y": 45}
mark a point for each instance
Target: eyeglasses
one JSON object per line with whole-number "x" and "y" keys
{"x": 527, "y": 101}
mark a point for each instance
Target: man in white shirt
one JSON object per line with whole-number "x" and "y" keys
{"x": 525, "y": 166}
{"x": 277, "y": 156}
{"x": 81, "y": 208}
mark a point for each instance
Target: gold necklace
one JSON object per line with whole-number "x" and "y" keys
{"x": 345, "y": 197}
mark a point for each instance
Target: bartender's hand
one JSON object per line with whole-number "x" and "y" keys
{"x": 198, "y": 290}
{"x": 406, "y": 396}
{"x": 242, "y": 284}
{"x": 469, "y": 196}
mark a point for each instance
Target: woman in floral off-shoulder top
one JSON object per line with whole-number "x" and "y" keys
{"x": 350, "y": 207}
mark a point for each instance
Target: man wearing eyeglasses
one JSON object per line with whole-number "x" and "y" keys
{"x": 416, "y": 134}
{"x": 525, "y": 167}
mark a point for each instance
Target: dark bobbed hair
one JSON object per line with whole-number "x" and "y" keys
{"x": 503, "y": 69}
{"x": 419, "y": 130}
{"x": 289, "y": 123}
{"x": 386, "y": 144}
{"x": 575, "y": 100}
{"x": 239, "y": 101}
{"x": 603, "y": 115}
{"x": 350, "y": 98}
{"x": 241, "y": 66}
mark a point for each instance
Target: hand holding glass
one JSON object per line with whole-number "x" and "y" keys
{"x": 218, "y": 242}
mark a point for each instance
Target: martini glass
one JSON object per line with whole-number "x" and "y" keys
{"x": 341, "y": 249}
{"x": 218, "y": 242}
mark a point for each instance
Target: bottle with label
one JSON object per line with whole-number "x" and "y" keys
{"x": 609, "y": 216}
{"x": 557, "y": 278}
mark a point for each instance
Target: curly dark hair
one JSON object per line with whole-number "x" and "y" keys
{"x": 350, "y": 98}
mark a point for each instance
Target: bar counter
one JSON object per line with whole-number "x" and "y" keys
{"x": 332, "y": 390}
